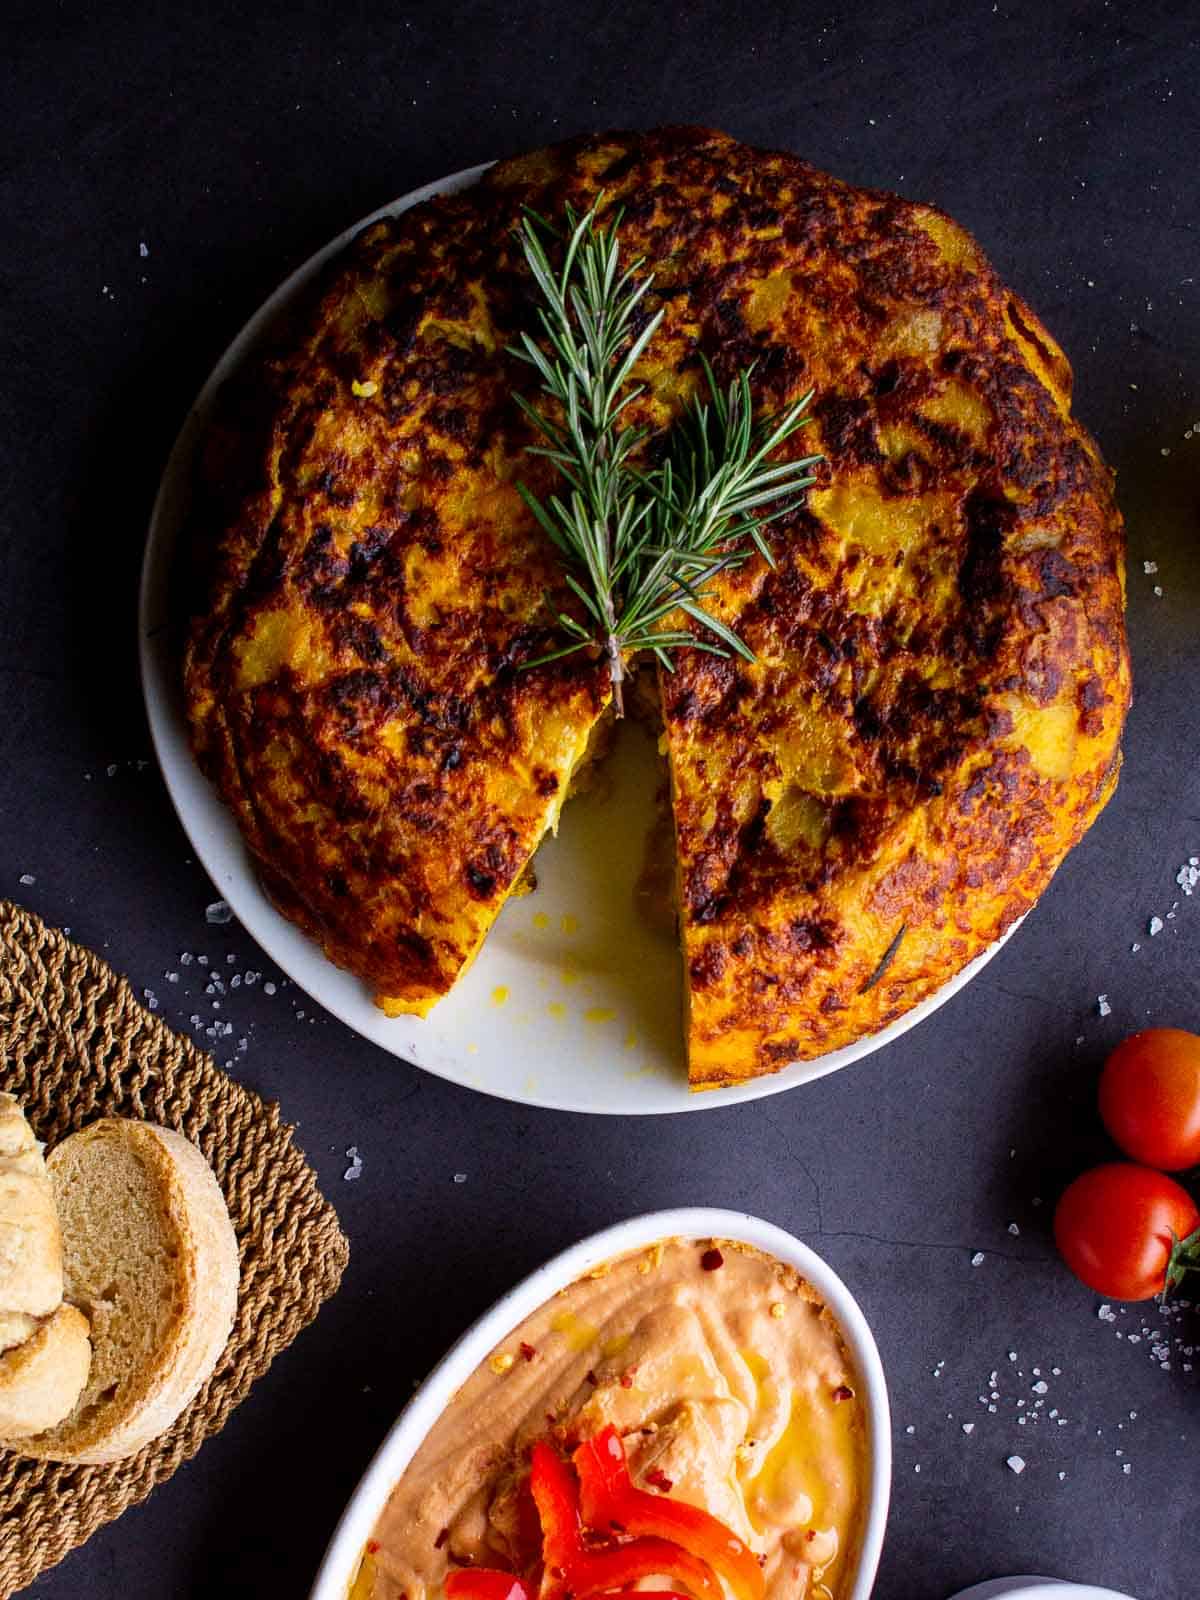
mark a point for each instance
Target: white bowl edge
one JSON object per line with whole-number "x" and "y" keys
{"x": 345, "y": 1548}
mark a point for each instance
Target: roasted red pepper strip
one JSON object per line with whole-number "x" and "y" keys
{"x": 482, "y": 1583}
{"x": 609, "y": 1499}
{"x": 573, "y": 1567}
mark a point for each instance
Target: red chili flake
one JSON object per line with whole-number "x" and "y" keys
{"x": 712, "y": 1259}
{"x": 441, "y": 1538}
{"x": 372, "y": 1547}
{"x": 527, "y": 1351}
{"x": 842, "y": 1392}
{"x": 811, "y": 1535}
{"x": 627, "y": 1378}
{"x": 592, "y": 1378}
{"x": 659, "y": 1479}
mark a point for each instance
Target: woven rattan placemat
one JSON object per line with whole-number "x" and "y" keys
{"x": 76, "y": 1045}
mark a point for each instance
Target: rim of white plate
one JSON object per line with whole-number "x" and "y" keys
{"x": 214, "y": 836}
{"x": 342, "y": 1555}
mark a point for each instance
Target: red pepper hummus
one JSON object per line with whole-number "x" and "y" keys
{"x": 728, "y": 1381}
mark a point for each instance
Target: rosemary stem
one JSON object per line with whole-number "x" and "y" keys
{"x": 645, "y": 544}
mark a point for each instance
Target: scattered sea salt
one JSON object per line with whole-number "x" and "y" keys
{"x": 1013, "y": 1229}
{"x": 354, "y": 1170}
{"x": 1102, "y": 1005}
{"x": 218, "y": 913}
{"x": 28, "y": 878}
{"x": 1040, "y": 1387}
{"x": 968, "y": 1427}
{"x": 977, "y": 1259}
{"x": 1149, "y": 568}
{"x": 269, "y": 988}
{"x": 143, "y": 250}
{"x": 460, "y": 1177}
{"x": 1015, "y": 1464}
{"x": 1156, "y": 926}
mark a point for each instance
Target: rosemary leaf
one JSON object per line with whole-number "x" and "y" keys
{"x": 640, "y": 546}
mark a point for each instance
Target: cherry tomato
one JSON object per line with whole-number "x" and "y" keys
{"x": 1150, "y": 1097}
{"x": 1113, "y": 1228}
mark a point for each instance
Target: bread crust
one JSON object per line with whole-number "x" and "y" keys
{"x": 194, "y": 1228}
{"x": 41, "y": 1379}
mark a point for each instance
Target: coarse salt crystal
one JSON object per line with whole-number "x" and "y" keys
{"x": 1015, "y": 1464}
{"x": 218, "y": 913}
{"x": 27, "y": 878}
{"x": 1155, "y": 926}
{"x": 354, "y": 1170}
{"x": 968, "y": 1427}
{"x": 1013, "y": 1229}
{"x": 1149, "y": 568}
{"x": 977, "y": 1259}
{"x": 269, "y": 988}
{"x": 1102, "y": 1005}
{"x": 1040, "y": 1387}
{"x": 460, "y": 1177}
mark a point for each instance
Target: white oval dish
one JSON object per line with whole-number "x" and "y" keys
{"x": 1029, "y": 1588}
{"x": 591, "y": 1014}
{"x": 692, "y": 1222}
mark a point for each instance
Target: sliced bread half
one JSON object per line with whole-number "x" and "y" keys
{"x": 151, "y": 1257}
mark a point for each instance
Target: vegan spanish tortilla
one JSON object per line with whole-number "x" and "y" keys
{"x": 933, "y": 715}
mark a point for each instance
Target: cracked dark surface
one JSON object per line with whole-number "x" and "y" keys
{"x": 235, "y": 141}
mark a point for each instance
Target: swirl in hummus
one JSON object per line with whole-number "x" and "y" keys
{"x": 723, "y": 1372}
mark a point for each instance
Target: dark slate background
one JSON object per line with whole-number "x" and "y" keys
{"x": 233, "y": 140}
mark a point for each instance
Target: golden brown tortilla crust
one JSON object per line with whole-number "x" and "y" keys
{"x": 933, "y": 718}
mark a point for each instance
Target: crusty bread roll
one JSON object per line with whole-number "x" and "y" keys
{"x": 152, "y": 1258}
{"x": 42, "y": 1377}
{"x": 31, "y": 1260}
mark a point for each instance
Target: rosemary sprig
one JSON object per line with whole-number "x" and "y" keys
{"x": 643, "y": 545}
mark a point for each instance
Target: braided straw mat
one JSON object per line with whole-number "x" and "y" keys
{"x": 76, "y": 1045}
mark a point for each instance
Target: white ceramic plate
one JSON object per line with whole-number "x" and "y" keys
{"x": 1036, "y": 1589}
{"x": 572, "y": 1003}
{"x": 397, "y": 1450}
